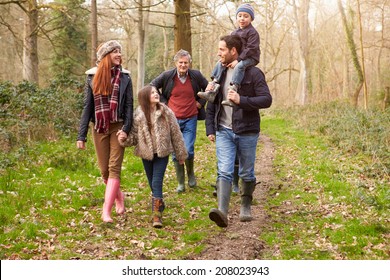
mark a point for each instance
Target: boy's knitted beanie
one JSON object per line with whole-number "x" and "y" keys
{"x": 247, "y": 8}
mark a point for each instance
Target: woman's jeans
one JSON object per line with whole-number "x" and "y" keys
{"x": 228, "y": 145}
{"x": 188, "y": 129}
{"x": 155, "y": 170}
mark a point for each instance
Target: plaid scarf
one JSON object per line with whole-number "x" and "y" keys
{"x": 106, "y": 105}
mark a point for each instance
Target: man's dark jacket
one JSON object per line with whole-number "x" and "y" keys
{"x": 254, "y": 95}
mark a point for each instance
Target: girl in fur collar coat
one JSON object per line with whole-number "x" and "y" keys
{"x": 155, "y": 135}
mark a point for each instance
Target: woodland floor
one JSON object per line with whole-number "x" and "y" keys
{"x": 239, "y": 241}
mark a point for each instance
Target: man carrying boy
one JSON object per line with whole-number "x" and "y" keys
{"x": 236, "y": 130}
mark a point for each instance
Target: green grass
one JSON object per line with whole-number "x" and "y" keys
{"x": 323, "y": 204}
{"x": 326, "y": 202}
{"x": 51, "y": 209}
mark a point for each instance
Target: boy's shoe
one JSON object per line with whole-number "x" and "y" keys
{"x": 228, "y": 102}
{"x": 210, "y": 94}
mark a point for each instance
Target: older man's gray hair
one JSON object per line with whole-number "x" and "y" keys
{"x": 180, "y": 54}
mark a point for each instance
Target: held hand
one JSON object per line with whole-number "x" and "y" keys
{"x": 211, "y": 137}
{"x": 121, "y": 135}
{"x": 233, "y": 64}
{"x": 80, "y": 145}
{"x": 210, "y": 86}
{"x": 198, "y": 105}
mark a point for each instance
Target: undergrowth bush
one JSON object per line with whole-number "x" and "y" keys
{"x": 29, "y": 114}
{"x": 353, "y": 130}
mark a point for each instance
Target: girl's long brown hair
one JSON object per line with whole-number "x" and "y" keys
{"x": 144, "y": 101}
{"x": 102, "y": 79}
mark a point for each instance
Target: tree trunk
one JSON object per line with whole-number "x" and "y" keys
{"x": 167, "y": 61}
{"x": 142, "y": 26}
{"x": 386, "y": 99}
{"x": 380, "y": 81}
{"x": 30, "y": 50}
{"x": 302, "y": 19}
{"x": 183, "y": 25}
{"x": 267, "y": 28}
{"x": 365, "y": 93}
{"x": 94, "y": 32}
{"x": 301, "y": 92}
{"x": 346, "y": 76}
{"x": 200, "y": 47}
{"x": 352, "y": 48}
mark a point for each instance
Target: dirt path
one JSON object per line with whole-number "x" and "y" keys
{"x": 239, "y": 241}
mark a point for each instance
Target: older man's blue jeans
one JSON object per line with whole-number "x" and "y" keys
{"x": 228, "y": 144}
{"x": 188, "y": 129}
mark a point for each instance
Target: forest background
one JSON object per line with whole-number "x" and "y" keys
{"x": 311, "y": 51}
{"x": 326, "y": 63}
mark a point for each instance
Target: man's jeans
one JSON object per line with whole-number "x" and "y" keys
{"x": 228, "y": 145}
{"x": 188, "y": 129}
